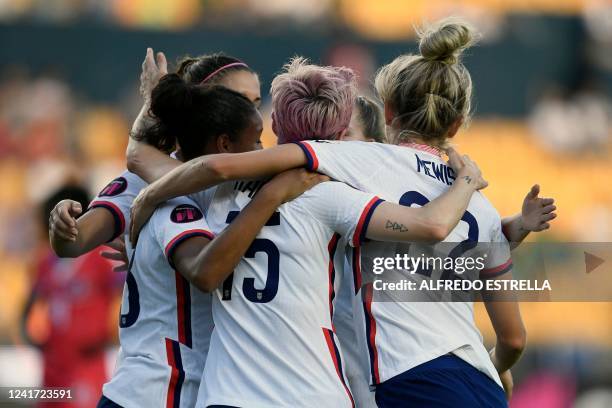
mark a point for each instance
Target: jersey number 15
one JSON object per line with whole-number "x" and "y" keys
{"x": 248, "y": 285}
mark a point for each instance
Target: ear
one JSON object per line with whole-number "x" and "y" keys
{"x": 224, "y": 145}
{"x": 274, "y": 123}
{"x": 389, "y": 114}
{"x": 342, "y": 134}
{"x": 454, "y": 128}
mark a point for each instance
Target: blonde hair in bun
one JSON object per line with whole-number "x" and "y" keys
{"x": 430, "y": 91}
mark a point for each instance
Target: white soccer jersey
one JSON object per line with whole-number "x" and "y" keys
{"x": 400, "y": 335}
{"x": 355, "y": 367}
{"x": 117, "y": 197}
{"x": 166, "y": 323}
{"x": 274, "y": 343}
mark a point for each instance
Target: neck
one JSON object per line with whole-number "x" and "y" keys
{"x": 398, "y": 137}
{"x": 417, "y": 140}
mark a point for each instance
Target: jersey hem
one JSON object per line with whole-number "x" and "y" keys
{"x": 244, "y": 403}
{"x": 439, "y": 352}
{"x": 498, "y": 270}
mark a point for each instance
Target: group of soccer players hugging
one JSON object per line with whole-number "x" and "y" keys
{"x": 245, "y": 285}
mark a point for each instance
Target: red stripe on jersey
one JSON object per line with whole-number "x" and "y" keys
{"x": 357, "y": 269}
{"x": 331, "y": 248}
{"x": 115, "y": 211}
{"x": 335, "y": 355}
{"x": 364, "y": 219}
{"x": 371, "y": 333}
{"x": 498, "y": 270}
{"x": 177, "y": 375}
{"x": 311, "y": 156}
{"x": 183, "y": 309}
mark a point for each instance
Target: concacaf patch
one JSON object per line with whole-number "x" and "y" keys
{"x": 115, "y": 187}
{"x": 185, "y": 213}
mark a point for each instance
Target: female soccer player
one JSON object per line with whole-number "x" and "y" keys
{"x": 274, "y": 313}
{"x": 426, "y": 100}
{"x": 165, "y": 332}
{"x": 367, "y": 123}
{"x": 108, "y": 215}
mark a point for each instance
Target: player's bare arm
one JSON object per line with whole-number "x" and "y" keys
{"x": 153, "y": 68}
{"x": 207, "y": 263}
{"x": 142, "y": 159}
{"x": 71, "y": 236}
{"x": 536, "y": 215}
{"x": 505, "y": 317}
{"x": 147, "y": 162}
{"x": 434, "y": 221}
{"x": 198, "y": 174}
{"x": 206, "y": 171}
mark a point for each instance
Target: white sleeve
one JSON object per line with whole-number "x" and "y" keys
{"x": 204, "y": 198}
{"x": 343, "y": 209}
{"x": 498, "y": 260}
{"x": 177, "y": 220}
{"x": 340, "y": 160}
{"x": 117, "y": 197}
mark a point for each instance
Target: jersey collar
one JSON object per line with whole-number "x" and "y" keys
{"x": 423, "y": 147}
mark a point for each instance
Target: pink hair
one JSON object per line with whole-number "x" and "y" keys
{"x": 312, "y": 102}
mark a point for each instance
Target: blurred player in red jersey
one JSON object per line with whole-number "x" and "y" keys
{"x": 78, "y": 293}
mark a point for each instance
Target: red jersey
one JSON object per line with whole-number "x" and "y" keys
{"x": 79, "y": 293}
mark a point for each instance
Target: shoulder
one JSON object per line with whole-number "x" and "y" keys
{"x": 133, "y": 179}
{"x": 178, "y": 210}
{"x": 487, "y": 215}
{"x": 332, "y": 198}
{"x": 313, "y": 201}
{"x": 346, "y": 147}
{"x": 127, "y": 183}
{"x": 177, "y": 218}
{"x": 326, "y": 190}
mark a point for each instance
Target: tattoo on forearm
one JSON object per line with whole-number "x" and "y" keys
{"x": 468, "y": 179}
{"x": 395, "y": 226}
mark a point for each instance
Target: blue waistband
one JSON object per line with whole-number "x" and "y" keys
{"x": 445, "y": 362}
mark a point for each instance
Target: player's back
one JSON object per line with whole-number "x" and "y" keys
{"x": 392, "y": 171}
{"x": 400, "y": 334}
{"x": 273, "y": 332}
{"x": 165, "y": 323}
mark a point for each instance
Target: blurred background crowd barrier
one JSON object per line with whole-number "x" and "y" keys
{"x": 543, "y": 113}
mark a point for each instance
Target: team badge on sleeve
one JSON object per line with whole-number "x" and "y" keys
{"x": 115, "y": 187}
{"x": 185, "y": 213}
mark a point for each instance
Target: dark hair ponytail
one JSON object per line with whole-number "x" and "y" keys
{"x": 172, "y": 101}
{"x": 191, "y": 70}
{"x": 196, "y": 115}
